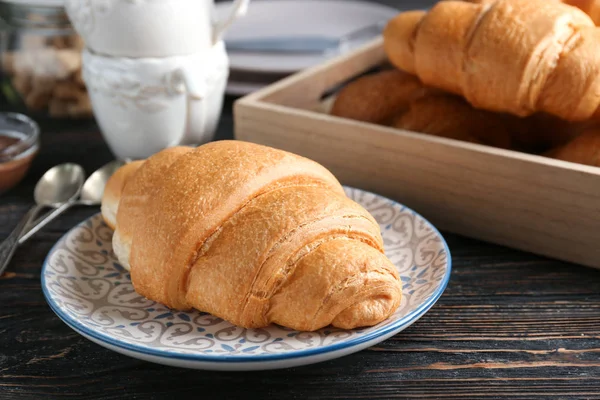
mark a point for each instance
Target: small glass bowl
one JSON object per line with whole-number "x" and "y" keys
{"x": 19, "y": 144}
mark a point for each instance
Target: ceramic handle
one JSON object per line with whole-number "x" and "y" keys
{"x": 193, "y": 84}
{"x": 238, "y": 9}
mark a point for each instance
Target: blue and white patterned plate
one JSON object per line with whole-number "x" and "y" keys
{"x": 88, "y": 289}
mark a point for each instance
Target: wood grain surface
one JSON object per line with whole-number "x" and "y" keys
{"x": 510, "y": 325}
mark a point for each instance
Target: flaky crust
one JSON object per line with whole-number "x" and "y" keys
{"x": 226, "y": 228}
{"x": 113, "y": 190}
{"x": 377, "y": 98}
{"x": 590, "y": 7}
{"x": 132, "y": 213}
{"x": 583, "y": 149}
{"x": 418, "y": 108}
{"x": 515, "y": 56}
{"x": 450, "y": 116}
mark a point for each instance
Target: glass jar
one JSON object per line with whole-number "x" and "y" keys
{"x": 41, "y": 60}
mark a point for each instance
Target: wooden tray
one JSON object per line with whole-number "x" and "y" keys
{"x": 527, "y": 202}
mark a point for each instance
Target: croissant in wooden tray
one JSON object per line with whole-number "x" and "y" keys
{"x": 398, "y": 99}
{"x": 251, "y": 234}
{"x": 516, "y": 56}
{"x": 590, "y": 7}
{"x": 583, "y": 149}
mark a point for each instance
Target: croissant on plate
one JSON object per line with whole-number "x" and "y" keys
{"x": 250, "y": 234}
{"x": 514, "y": 56}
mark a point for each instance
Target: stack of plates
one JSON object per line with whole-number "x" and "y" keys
{"x": 302, "y": 21}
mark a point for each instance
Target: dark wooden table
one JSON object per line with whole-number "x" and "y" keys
{"x": 510, "y": 324}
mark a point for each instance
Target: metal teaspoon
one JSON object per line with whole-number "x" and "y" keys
{"x": 58, "y": 185}
{"x": 91, "y": 195}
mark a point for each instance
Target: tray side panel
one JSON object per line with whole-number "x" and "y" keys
{"x": 531, "y": 203}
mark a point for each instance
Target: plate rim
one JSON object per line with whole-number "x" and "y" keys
{"x": 224, "y": 358}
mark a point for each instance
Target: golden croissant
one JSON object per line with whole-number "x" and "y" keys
{"x": 583, "y": 149}
{"x": 250, "y": 234}
{"x": 515, "y": 56}
{"x": 590, "y": 7}
{"x": 398, "y": 99}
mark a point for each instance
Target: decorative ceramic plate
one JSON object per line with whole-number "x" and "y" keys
{"x": 88, "y": 289}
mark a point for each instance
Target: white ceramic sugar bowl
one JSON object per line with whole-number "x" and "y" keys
{"x": 144, "y": 105}
{"x": 149, "y": 28}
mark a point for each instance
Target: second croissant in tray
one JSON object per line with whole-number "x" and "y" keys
{"x": 397, "y": 99}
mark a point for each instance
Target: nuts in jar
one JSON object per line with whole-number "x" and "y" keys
{"x": 41, "y": 63}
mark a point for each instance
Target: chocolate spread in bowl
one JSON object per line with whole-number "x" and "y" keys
{"x": 13, "y": 164}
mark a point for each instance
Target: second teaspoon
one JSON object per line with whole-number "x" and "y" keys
{"x": 91, "y": 195}
{"x": 58, "y": 185}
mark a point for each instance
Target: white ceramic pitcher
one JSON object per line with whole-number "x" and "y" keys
{"x": 149, "y": 28}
